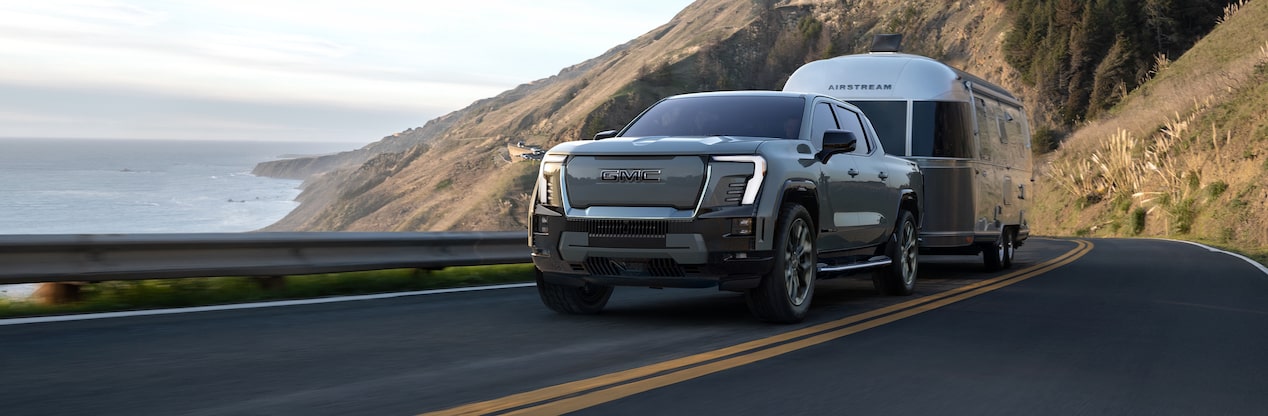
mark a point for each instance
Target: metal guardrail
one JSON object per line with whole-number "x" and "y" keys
{"x": 99, "y": 257}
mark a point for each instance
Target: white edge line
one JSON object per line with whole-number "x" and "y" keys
{"x": 1252, "y": 262}
{"x": 253, "y": 305}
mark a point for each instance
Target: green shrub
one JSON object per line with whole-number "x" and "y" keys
{"x": 1138, "y": 221}
{"x": 1182, "y": 214}
{"x": 1216, "y": 189}
{"x": 1044, "y": 140}
{"x": 1227, "y": 234}
{"x": 1195, "y": 181}
{"x": 1122, "y": 202}
{"x": 809, "y": 27}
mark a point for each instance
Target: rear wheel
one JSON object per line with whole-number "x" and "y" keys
{"x": 585, "y": 300}
{"x": 999, "y": 255}
{"x": 903, "y": 249}
{"x": 1010, "y": 248}
{"x": 784, "y": 294}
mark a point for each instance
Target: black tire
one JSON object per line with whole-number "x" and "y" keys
{"x": 998, "y": 255}
{"x": 1010, "y": 248}
{"x": 899, "y": 279}
{"x": 784, "y": 294}
{"x": 585, "y": 300}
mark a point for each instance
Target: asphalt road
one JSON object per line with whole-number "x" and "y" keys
{"x": 1110, "y": 327}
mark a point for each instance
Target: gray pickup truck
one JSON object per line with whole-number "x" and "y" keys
{"x": 759, "y": 192}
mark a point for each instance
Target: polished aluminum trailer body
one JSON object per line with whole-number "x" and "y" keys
{"x": 969, "y": 137}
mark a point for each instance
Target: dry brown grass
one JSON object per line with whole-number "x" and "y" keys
{"x": 1156, "y": 168}
{"x": 1231, "y": 10}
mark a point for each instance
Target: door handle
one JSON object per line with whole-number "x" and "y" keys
{"x": 883, "y": 176}
{"x": 853, "y": 172}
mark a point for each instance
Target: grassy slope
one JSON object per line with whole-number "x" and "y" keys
{"x": 1200, "y": 121}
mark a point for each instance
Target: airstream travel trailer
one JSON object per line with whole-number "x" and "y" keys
{"x": 969, "y": 137}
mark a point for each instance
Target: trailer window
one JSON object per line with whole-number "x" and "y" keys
{"x": 941, "y": 129}
{"x": 889, "y": 119}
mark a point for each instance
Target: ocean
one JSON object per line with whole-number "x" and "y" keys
{"x": 97, "y": 186}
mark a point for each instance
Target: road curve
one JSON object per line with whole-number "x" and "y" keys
{"x": 1106, "y": 327}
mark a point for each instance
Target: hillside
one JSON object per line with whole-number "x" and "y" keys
{"x": 1185, "y": 155}
{"x": 1175, "y": 149}
{"x": 458, "y": 174}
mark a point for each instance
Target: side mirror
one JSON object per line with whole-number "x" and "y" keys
{"x": 837, "y": 141}
{"x": 606, "y": 134}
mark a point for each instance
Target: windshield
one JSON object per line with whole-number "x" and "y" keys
{"x": 729, "y": 115}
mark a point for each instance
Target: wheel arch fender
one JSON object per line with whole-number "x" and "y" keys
{"x": 804, "y": 192}
{"x": 910, "y": 201}
{"x": 800, "y": 190}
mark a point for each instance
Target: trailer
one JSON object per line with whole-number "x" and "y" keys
{"x": 970, "y": 138}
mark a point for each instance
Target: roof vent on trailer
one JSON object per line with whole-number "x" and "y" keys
{"x": 887, "y": 42}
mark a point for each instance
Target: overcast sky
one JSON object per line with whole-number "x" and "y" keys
{"x": 302, "y": 70}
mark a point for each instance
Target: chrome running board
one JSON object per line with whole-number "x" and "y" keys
{"x": 877, "y": 261}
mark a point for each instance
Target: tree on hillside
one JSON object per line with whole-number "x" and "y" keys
{"x": 1083, "y": 55}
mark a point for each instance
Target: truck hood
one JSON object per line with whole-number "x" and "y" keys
{"x": 713, "y": 145}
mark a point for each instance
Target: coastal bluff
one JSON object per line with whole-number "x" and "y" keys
{"x": 303, "y": 167}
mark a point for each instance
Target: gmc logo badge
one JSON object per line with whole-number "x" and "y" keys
{"x": 629, "y": 175}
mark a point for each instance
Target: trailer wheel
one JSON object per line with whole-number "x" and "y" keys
{"x": 999, "y": 255}
{"x": 1010, "y": 247}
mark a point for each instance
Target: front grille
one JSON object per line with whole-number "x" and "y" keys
{"x": 634, "y": 181}
{"x": 628, "y": 228}
{"x": 603, "y": 266}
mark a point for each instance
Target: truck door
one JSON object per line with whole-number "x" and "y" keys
{"x": 837, "y": 217}
{"x": 871, "y": 189}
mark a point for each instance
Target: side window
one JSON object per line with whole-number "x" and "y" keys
{"x": 850, "y": 122}
{"x": 823, "y": 121}
{"x": 1003, "y": 130}
{"x": 1018, "y": 141}
{"x": 987, "y": 130}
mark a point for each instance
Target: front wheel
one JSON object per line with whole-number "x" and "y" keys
{"x": 903, "y": 249}
{"x": 585, "y": 300}
{"x": 784, "y": 294}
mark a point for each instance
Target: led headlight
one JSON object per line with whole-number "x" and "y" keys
{"x": 754, "y": 183}
{"x": 549, "y": 180}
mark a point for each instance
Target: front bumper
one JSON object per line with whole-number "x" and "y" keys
{"x": 696, "y": 253}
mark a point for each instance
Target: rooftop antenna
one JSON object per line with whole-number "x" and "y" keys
{"x": 887, "y": 42}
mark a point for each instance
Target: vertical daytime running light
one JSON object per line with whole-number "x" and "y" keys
{"x": 543, "y": 182}
{"x": 759, "y": 174}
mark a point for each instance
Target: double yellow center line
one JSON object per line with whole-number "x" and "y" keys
{"x": 581, "y": 394}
